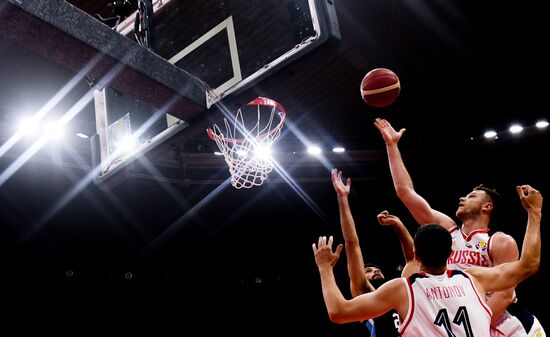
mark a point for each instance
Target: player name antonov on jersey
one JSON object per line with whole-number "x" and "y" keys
{"x": 436, "y": 293}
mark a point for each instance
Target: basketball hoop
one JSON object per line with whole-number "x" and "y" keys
{"x": 248, "y": 140}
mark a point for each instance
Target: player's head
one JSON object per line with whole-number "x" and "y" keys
{"x": 482, "y": 200}
{"x": 373, "y": 272}
{"x": 432, "y": 245}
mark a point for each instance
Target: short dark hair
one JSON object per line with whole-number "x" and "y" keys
{"x": 372, "y": 265}
{"x": 494, "y": 196}
{"x": 492, "y": 193}
{"x": 432, "y": 244}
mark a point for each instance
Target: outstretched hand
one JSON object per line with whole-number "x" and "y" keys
{"x": 386, "y": 219}
{"x": 324, "y": 256}
{"x": 530, "y": 197}
{"x": 388, "y": 132}
{"x": 341, "y": 189}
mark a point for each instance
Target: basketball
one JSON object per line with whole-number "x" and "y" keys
{"x": 380, "y": 87}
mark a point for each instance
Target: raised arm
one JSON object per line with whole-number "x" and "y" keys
{"x": 405, "y": 238}
{"x": 508, "y": 275}
{"x": 391, "y": 295}
{"x": 504, "y": 249}
{"x": 402, "y": 182}
{"x": 359, "y": 283}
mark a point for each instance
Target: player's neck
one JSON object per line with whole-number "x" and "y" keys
{"x": 433, "y": 270}
{"x": 472, "y": 224}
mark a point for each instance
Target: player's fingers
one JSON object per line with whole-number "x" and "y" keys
{"x": 520, "y": 191}
{"x": 338, "y": 250}
{"x": 321, "y": 243}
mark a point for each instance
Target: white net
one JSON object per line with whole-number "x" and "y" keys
{"x": 246, "y": 143}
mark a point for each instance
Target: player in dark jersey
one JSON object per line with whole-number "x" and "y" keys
{"x": 364, "y": 277}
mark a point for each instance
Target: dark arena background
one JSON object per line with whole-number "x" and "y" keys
{"x": 160, "y": 239}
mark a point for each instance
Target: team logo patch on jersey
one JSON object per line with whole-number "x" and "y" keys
{"x": 481, "y": 246}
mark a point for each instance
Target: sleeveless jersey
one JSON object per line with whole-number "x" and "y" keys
{"x": 475, "y": 250}
{"x": 444, "y": 305}
{"x": 386, "y": 325}
{"x": 470, "y": 250}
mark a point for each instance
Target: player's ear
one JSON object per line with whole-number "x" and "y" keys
{"x": 488, "y": 207}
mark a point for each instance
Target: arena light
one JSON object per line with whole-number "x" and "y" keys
{"x": 490, "y": 134}
{"x": 53, "y": 131}
{"x": 516, "y": 128}
{"x": 28, "y": 126}
{"x": 338, "y": 149}
{"x": 262, "y": 152}
{"x": 125, "y": 145}
{"x": 314, "y": 150}
{"x": 541, "y": 124}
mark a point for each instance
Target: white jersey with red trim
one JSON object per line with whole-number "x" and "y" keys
{"x": 444, "y": 305}
{"x": 475, "y": 250}
{"x": 470, "y": 250}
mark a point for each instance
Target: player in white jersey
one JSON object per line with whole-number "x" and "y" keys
{"x": 475, "y": 250}
{"x": 474, "y": 211}
{"x": 449, "y": 301}
{"x": 470, "y": 250}
{"x": 449, "y": 307}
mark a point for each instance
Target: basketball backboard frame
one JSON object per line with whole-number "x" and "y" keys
{"x": 224, "y": 40}
{"x": 325, "y": 27}
{"x": 110, "y": 160}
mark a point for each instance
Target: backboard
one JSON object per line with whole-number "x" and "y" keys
{"x": 127, "y": 127}
{"x": 230, "y": 45}
{"x": 227, "y": 46}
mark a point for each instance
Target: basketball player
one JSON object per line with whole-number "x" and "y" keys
{"x": 363, "y": 276}
{"x": 436, "y": 301}
{"x": 472, "y": 239}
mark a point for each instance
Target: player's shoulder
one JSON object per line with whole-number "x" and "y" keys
{"x": 503, "y": 248}
{"x": 393, "y": 284}
{"x": 393, "y": 288}
{"x": 502, "y": 238}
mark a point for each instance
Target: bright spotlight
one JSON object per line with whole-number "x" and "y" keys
{"x": 53, "y": 131}
{"x": 120, "y": 136}
{"x": 314, "y": 150}
{"x": 541, "y": 124}
{"x": 516, "y": 128}
{"x": 262, "y": 152}
{"x": 81, "y": 135}
{"x": 28, "y": 126}
{"x": 338, "y": 149}
{"x": 490, "y": 134}
{"x": 125, "y": 145}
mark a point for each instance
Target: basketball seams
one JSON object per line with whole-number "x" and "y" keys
{"x": 380, "y": 87}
